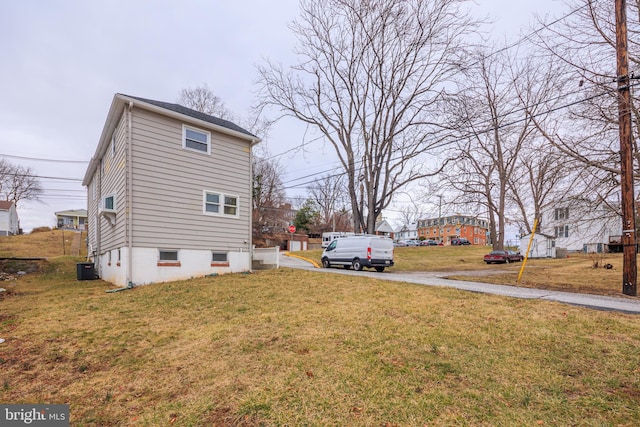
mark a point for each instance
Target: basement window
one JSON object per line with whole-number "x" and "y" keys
{"x": 219, "y": 259}
{"x": 168, "y": 258}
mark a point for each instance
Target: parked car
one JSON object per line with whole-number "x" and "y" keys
{"x": 409, "y": 242}
{"x": 460, "y": 241}
{"x": 358, "y": 252}
{"x": 428, "y": 242}
{"x": 502, "y": 257}
{"x": 400, "y": 243}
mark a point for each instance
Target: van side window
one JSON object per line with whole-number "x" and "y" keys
{"x": 332, "y": 245}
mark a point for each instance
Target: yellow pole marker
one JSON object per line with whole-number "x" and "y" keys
{"x": 526, "y": 255}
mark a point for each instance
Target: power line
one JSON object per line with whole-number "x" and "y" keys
{"x": 462, "y": 138}
{"x": 512, "y": 45}
{"x": 44, "y": 160}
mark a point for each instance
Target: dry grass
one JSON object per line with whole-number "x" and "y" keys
{"x": 43, "y": 244}
{"x": 303, "y": 348}
{"x": 573, "y": 274}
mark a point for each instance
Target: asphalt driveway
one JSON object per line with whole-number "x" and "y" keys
{"x": 623, "y": 304}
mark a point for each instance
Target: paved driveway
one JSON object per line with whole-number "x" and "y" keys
{"x": 623, "y": 304}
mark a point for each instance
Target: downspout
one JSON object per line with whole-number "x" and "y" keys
{"x": 129, "y": 198}
{"x": 98, "y": 225}
{"x": 250, "y": 240}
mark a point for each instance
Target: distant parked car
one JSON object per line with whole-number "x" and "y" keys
{"x": 428, "y": 242}
{"x": 460, "y": 241}
{"x": 502, "y": 257}
{"x": 409, "y": 242}
{"x": 399, "y": 243}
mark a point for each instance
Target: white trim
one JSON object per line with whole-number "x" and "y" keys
{"x": 207, "y": 134}
{"x": 115, "y": 201}
{"x": 176, "y": 251}
{"x": 221, "y": 204}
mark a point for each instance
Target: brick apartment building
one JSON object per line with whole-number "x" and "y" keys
{"x": 456, "y": 226}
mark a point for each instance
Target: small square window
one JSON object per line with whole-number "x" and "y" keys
{"x": 109, "y": 203}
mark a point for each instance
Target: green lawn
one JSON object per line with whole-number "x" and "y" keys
{"x": 292, "y": 348}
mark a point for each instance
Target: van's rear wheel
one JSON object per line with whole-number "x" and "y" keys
{"x": 379, "y": 269}
{"x": 357, "y": 265}
{"x": 326, "y": 263}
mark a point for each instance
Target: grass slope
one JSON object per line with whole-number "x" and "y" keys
{"x": 292, "y": 347}
{"x": 579, "y": 273}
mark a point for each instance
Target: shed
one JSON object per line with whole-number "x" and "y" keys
{"x": 542, "y": 246}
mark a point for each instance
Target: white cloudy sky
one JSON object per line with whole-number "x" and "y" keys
{"x": 63, "y": 60}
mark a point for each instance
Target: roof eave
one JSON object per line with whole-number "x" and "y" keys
{"x": 117, "y": 106}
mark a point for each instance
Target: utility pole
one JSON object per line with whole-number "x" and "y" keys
{"x": 629, "y": 266}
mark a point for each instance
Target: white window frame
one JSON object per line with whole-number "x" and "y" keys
{"x": 215, "y": 261}
{"x": 167, "y": 251}
{"x": 104, "y": 204}
{"x": 202, "y": 131}
{"x": 222, "y": 204}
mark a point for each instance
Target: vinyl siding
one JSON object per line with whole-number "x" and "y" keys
{"x": 110, "y": 180}
{"x": 168, "y": 184}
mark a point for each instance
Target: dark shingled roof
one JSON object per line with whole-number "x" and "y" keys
{"x": 193, "y": 113}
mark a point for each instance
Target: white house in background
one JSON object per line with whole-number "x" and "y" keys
{"x": 542, "y": 246}
{"x": 383, "y": 228}
{"x": 9, "y": 223}
{"x": 579, "y": 227}
{"x": 169, "y": 194}
{"x": 408, "y": 231}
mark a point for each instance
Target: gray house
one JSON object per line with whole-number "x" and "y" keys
{"x": 169, "y": 194}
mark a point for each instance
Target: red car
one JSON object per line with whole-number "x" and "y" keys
{"x": 502, "y": 257}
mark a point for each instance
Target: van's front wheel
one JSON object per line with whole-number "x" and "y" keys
{"x": 326, "y": 263}
{"x": 357, "y": 265}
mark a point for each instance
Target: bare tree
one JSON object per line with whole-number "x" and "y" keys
{"x": 495, "y": 122}
{"x": 328, "y": 193}
{"x": 201, "y": 98}
{"x": 371, "y": 79}
{"x": 587, "y": 130}
{"x": 268, "y": 196}
{"x": 18, "y": 183}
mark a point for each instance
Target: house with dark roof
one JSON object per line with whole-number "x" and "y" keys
{"x": 9, "y": 223}
{"x": 169, "y": 194}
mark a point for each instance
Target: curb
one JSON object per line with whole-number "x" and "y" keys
{"x": 315, "y": 264}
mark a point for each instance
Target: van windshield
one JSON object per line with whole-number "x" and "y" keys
{"x": 332, "y": 246}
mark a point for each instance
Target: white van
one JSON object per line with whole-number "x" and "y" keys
{"x": 358, "y": 252}
{"x": 330, "y": 236}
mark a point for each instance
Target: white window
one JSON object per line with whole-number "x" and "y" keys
{"x": 168, "y": 255}
{"x": 562, "y": 231}
{"x": 109, "y": 203}
{"x": 561, "y": 213}
{"x": 196, "y": 139}
{"x": 219, "y": 257}
{"x": 220, "y": 204}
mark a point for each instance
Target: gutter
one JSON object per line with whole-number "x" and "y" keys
{"x": 129, "y": 184}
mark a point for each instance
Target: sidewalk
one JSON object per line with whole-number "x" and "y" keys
{"x": 623, "y": 304}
